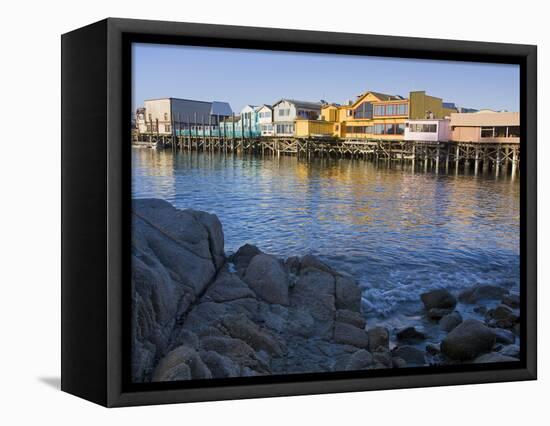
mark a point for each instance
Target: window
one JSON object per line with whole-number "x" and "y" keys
{"x": 379, "y": 129}
{"x": 390, "y": 109}
{"x": 403, "y": 109}
{"x": 487, "y": 132}
{"x": 513, "y": 131}
{"x": 165, "y": 116}
{"x": 423, "y": 128}
{"x": 167, "y": 128}
{"x": 150, "y": 117}
{"x": 501, "y": 132}
{"x": 400, "y": 129}
{"x": 379, "y": 110}
{"x": 364, "y": 110}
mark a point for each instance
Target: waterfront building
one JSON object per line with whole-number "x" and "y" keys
{"x": 485, "y": 126}
{"x": 166, "y": 115}
{"x": 428, "y": 130}
{"x": 287, "y": 111}
{"x": 265, "y": 120}
{"x": 374, "y": 115}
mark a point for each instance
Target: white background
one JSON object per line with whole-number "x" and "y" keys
{"x": 30, "y": 210}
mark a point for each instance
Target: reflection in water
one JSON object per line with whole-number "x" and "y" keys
{"x": 398, "y": 231}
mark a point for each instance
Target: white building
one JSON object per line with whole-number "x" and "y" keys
{"x": 265, "y": 120}
{"x": 286, "y": 111}
{"x": 429, "y": 130}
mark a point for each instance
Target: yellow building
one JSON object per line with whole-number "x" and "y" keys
{"x": 372, "y": 115}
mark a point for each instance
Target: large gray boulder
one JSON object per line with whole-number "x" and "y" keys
{"x": 468, "y": 340}
{"x": 350, "y": 335}
{"x": 267, "y": 277}
{"x": 360, "y": 360}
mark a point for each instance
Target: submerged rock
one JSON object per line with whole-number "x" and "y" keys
{"x": 438, "y": 299}
{"x": 502, "y": 316}
{"x": 511, "y": 300}
{"x": 410, "y": 334}
{"x": 468, "y": 340}
{"x": 482, "y": 292}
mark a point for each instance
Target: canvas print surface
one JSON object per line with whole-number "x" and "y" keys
{"x": 315, "y": 213}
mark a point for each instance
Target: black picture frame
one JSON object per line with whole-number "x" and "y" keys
{"x": 96, "y": 89}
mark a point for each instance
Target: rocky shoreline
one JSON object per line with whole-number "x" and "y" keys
{"x": 199, "y": 314}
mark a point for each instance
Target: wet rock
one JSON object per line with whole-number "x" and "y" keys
{"x": 410, "y": 334}
{"x": 511, "y": 351}
{"x": 437, "y": 313}
{"x": 267, "y": 278}
{"x": 502, "y": 316}
{"x": 398, "y": 362}
{"x": 360, "y": 360}
{"x": 379, "y": 337}
{"x": 450, "y": 321}
{"x": 350, "y": 335}
{"x": 382, "y": 359}
{"x": 293, "y": 265}
{"x": 228, "y": 287}
{"x": 481, "y": 310}
{"x": 504, "y": 336}
{"x": 350, "y": 317}
{"x": 468, "y": 340}
{"x": 511, "y": 300}
{"x": 438, "y": 299}
{"x": 493, "y": 357}
{"x": 433, "y": 349}
{"x": 481, "y": 292}
{"x": 412, "y": 355}
{"x": 348, "y": 294}
{"x": 219, "y": 365}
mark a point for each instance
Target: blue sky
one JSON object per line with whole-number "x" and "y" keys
{"x": 256, "y": 77}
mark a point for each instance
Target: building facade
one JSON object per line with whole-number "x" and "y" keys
{"x": 287, "y": 111}
{"x": 429, "y": 130}
{"x": 374, "y": 115}
{"x": 486, "y": 126}
{"x": 265, "y": 120}
{"x": 169, "y": 115}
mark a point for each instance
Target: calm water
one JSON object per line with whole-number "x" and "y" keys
{"x": 398, "y": 232}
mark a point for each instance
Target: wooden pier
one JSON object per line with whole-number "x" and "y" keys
{"x": 479, "y": 156}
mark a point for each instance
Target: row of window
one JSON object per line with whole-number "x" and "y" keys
{"x": 284, "y": 112}
{"x": 423, "y": 128}
{"x": 285, "y": 128}
{"x": 500, "y": 132}
{"x": 391, "y": 109}
{"x": 378, "y": 129}
{"x": 266, "y": 114}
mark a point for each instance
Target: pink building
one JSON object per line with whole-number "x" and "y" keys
{"x": 485, "y": 126}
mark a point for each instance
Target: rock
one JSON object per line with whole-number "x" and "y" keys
{"x": 511, "y": 300}
{"x": 511, "y": 351}
{"x": 398, "y": 362}
{"x": 241, "y": 259}
{"x": 468, "y": 340}
{"x": 502, "y": 316}
{"x": 481, "y": 310}
{"x": 493, "y": 357}
{"x": 267, "y": 278}
{"x": 310, "y": 261}
{"x": 183, "y": 363}
{"x": 240, "y": 327}
{"x": 504, "y": 336}
{"x": 348, "y": 294}
{"x": 292, "y": 264}
{"x": 228, "y": 287}
{"x": 412, "y": 355}
{"x": 410, "y": 334}
{"x": 219, "y": 365}
{"x": 450, "y": 321}
{"x": 351, "y": 317}
{"x": 378, "y": 337}
{"x": 382, "y": 359}
{"x": 360, "y": 360}
{"x": 432, "y": 349}
{"x": 438, "y": 299}
{"x": 481, "y": 292}
{"x": 437, "y": 313}
{"x": 348, "y": 334}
